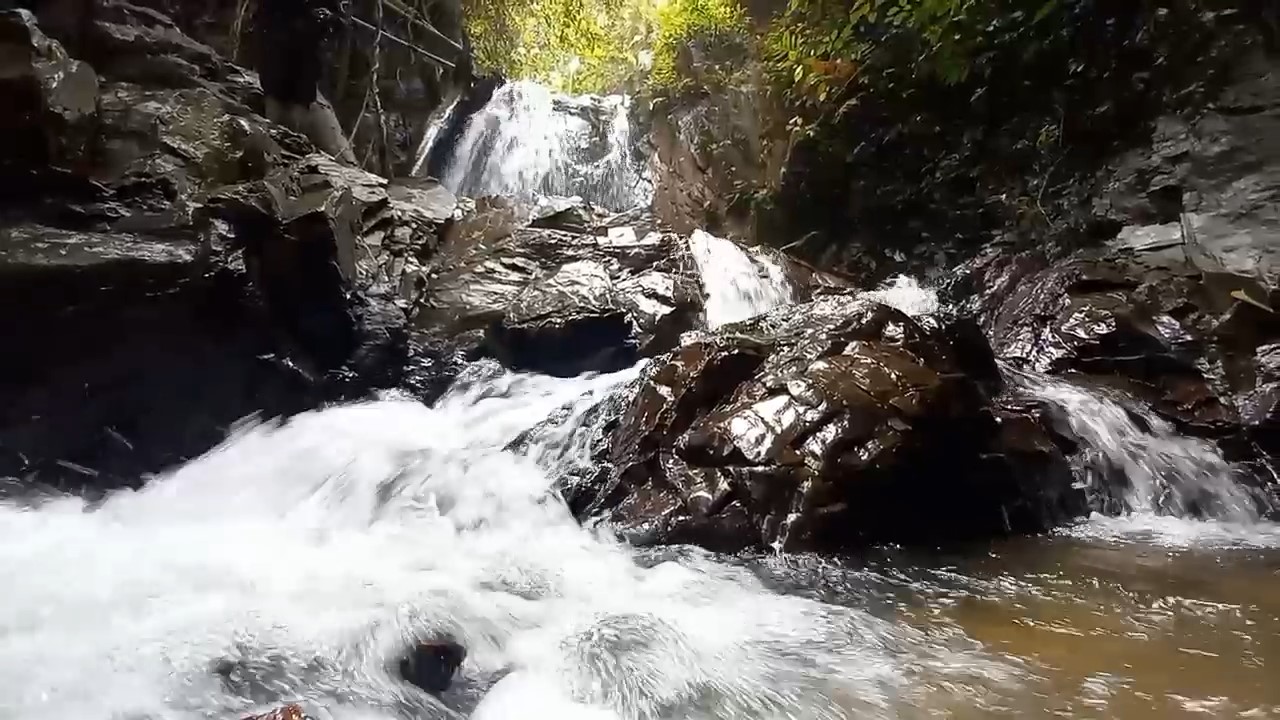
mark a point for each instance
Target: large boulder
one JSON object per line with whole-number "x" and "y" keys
{"x": 199, "y": 264}
{"x": 834, "y": 422}
{"x": 560, "y": 302}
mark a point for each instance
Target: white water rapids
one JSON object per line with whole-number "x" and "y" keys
{"x": 308, "y": 555}
{"x": 295, "y": 562}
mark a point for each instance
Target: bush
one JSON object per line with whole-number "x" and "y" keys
{"x": 572, "y": 45}
{"x": 680, "y": 23}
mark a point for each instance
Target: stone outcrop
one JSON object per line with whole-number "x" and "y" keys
{"x": 1180, "y": 308}
{"x": 830, "y": 423}
{"x": 595, "y": 297}
{"x": 559, "y": 302}
{"x": 172, "y": 262}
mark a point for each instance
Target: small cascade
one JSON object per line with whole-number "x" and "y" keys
{"x": 906, "y": 294}
{"x": 439, "y": 121}
{"x": 529, "y": 141}
{"x": 739, "y": 284}
{"x": 1171, "y": 482}
{"x": 1166, "y": 473}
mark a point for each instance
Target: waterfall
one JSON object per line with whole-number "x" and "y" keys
{"x": 1167, "y": 473}
{"x": 739, "y": 285}
{"x": 529, "y": 141}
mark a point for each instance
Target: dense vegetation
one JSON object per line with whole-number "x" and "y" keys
{"x": 592, "y": 45}
{"x": 905, "y": 120}
{"x": 938, "y": 120}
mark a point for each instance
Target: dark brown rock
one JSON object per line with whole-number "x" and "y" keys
{"x": 430, "y": 666}
{"x": 1185, "y": 337}
{"x": 834, "y": 422}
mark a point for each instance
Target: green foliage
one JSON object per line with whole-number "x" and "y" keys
{"x": 593, "y": 45}
{"x": 573, "y": 45}
{"x": 821, "y": 47}
{"x": 679, "y": 22}
{"x": 918, "y": 119}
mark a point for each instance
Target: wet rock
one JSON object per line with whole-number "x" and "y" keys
{"x": 555, "y": 301}
{"x": 205, "y": 265}
{"x": 430, "y": 666}
{"x": 50, "y": 106}
{"x": 571, "y": 214}
{"x": 834, "y": 422}
{"x": 1190, "y": 342}
{"x": 567, "y": 302}
{"x": 1179, "y": 308}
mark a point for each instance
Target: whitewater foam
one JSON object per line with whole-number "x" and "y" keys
{"x": 905, "y": 293}
{"x": 294, "y": 561}
{"x": 739, "y": 284}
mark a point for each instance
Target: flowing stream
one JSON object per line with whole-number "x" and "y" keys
{"x": 294, "y": 562}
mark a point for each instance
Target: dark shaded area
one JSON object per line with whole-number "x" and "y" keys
{"x": 178, "y": 263}
{"x": 920, "y": 166}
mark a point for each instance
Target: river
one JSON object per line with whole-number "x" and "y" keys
{"x": 295, "y": 561}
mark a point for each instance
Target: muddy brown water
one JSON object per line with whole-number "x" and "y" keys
{"x": 1107, "y": 623}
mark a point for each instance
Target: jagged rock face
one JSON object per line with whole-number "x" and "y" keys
{"x": 172, "y": 262}
{"x": 1180, "y": 308}
{"x": 50, "y": 101}
{"x": 825, "y": 424}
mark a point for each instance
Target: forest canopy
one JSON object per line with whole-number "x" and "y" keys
{"x": 591, "y": 45}
{"x": 809, "y": 45}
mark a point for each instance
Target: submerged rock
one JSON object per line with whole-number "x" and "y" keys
{"x": 430, "y": 666}
{"x": 834, "y": 422}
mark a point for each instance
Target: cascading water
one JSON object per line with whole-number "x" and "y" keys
{"x": 1175, "y": 483}
{"x": 1167, "y": 473}
{"x": 529, "y": 141}
{"x": 740, "y": 285}
{"x": 434, "y": 128}
{"x": 293, "y": 562}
